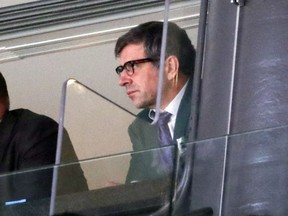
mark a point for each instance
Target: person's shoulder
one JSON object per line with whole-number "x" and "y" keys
{"x": 144, "y": 114}
{"x": 142, "y": 118}
{"x": 26, "y": 116}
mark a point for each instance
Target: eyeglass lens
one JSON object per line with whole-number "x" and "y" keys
{"x": 129, "y": 66}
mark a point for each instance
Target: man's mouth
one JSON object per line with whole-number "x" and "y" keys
{"x": 131, "y": 92}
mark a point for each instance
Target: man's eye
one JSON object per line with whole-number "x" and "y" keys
{"x": 129, "y": 66}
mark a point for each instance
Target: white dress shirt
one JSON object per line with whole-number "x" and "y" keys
{"x": 172, "y": 108}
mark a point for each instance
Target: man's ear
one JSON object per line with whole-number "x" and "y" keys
{"x": 172, "y": 67}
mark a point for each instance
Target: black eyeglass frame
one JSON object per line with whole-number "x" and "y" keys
{"x": 129, "y": 65}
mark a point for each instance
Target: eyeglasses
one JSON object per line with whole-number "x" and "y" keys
{"x": 129, "y": 65}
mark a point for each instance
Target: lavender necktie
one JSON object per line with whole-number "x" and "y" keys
{"x": 165, "y": 137}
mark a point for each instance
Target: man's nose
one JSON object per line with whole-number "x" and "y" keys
{"x": 124, "y": 79}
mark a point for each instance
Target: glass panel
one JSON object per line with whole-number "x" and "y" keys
{"x": 257, "y": 176}
{"x": 96, "y": 127}
{"x": 177, "y": 57}
{"x": 244, "y": 174}
{"x": 138, "y": 198}
{"x": 174, "y": 92}
{"x": 199, "y": 189}
{"x": 26, "y": 192}
{"x": 92, "y": 136}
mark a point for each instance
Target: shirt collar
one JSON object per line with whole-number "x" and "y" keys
{"x": 173, "y": 106}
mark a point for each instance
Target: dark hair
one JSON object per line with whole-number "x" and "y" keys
{"x": 3, "y": 87}
{"x": 150, "y": 34}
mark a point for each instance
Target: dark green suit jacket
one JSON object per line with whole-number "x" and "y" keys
{"x": 145, "y": 163}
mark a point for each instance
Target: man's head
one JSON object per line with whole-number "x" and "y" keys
{"x": 140, "y": 78}
{"x": 4, "y": 97}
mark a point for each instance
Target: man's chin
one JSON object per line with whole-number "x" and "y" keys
{"x": 142, "y": 105}
{"x": 138, "y": 105}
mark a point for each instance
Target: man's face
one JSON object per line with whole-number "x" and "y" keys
{"x": 141, "y": 87}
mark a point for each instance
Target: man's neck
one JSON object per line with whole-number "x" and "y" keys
{"x": 173, "y": 106}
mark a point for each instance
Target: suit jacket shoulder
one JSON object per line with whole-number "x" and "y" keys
{"x": 27, "y": 139}
{"x": 142, "y": 133}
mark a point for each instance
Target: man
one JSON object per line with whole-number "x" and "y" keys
{"x": 139, "y": 52}
{"x": 28, "y": 141}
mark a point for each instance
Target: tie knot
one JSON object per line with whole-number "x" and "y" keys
{"x": 164, "y": 118}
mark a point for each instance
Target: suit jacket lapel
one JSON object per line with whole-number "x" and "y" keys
{"x": 183, "y": 115}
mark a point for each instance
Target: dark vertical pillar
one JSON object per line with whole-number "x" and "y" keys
{"x": 248, "y": 92}
{"x": 244, "y": 99}
{"x": 216, "y": 73}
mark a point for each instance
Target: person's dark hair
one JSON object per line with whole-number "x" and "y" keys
{"x": 3, "y": 87}
{"x": 4, "y": 96}
{"x": 150, "y": 34}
